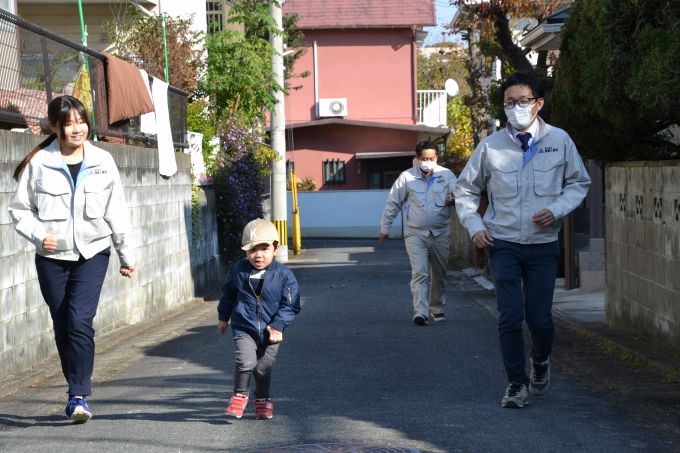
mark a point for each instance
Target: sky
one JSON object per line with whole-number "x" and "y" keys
{"x": 445, "y": 13}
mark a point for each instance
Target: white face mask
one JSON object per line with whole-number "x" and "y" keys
{"x": 426, "y": 166}
{"x": 520, "y": 117}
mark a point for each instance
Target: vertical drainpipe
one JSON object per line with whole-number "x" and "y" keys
{"x": 316, "y": 79}
{"x": 414, "y": 74}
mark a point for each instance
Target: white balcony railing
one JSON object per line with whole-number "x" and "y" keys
{"x": 432, "y": 107}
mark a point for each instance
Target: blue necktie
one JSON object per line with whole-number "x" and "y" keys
{"x": 524, "y": 139}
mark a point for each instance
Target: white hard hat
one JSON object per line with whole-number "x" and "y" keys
{"x": 258, "y": 231}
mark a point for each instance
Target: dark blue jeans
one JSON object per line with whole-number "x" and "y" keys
{"x": 524, "y": 276}
{"x": 71, "y": 290}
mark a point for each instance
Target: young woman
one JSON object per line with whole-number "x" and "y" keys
{"x": 69, "y": 203}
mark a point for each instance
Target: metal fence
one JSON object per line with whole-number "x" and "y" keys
{"x": 37, "y": 65}
{"x": 432, "y": 105}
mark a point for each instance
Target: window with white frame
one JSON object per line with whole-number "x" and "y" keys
{"x": 333, "y": 171}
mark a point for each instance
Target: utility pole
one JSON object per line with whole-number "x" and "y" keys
{"x": 278, "y": 134}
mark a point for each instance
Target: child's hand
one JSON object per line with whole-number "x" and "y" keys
{"x": 127, "y": 271}
{"x": 275, "y": 336}
{"x": 222, "y": 327}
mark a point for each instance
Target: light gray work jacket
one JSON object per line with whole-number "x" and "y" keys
{"x": 423, "y": 202}
{"x": 84, "y": 217}
{"x": 554, "y": 178}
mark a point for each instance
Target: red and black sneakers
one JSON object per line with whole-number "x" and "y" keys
{"x": 237, "y": 405}
{"x": 264, "y": 409}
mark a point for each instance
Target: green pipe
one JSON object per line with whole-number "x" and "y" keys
{"x": 83, "y": 34}
{"x": 165, "y": 42}
{"x": 83, "y": 37}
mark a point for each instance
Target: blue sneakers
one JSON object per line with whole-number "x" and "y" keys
{"x": 77, "y": 410}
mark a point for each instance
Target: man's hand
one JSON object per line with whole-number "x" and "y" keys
{"x": 49, "y": 244}
{"x": 544, "y": 217}
{"x": 482, "y": 239}
{"x": 222, "y": 327}
{"x": 275, "y": 336}
{"x": 127, "y": 271}
{"x": 383, "y": 237}
{"x": 450, "y": 199}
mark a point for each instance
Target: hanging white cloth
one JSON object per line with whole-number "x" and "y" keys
{"x": 147, "y": 121}
{"x": 167, "y": 164}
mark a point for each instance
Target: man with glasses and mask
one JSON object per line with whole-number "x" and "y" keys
{"x": 425, "y": 195}
{"x": 533, "y": 176}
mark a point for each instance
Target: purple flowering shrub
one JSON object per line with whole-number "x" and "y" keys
{"x": 238, "y": 173}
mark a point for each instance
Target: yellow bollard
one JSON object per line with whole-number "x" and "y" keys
{"x": 297, "y": 234}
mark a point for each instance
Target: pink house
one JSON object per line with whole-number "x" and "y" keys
{"x": 354, "y": 122}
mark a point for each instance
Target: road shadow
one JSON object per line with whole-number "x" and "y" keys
{"x": 354, "y": 367}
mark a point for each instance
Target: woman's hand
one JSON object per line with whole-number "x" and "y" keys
{"x": 49, "y": 244}
{"x": 222, "y": 327}
{"x": 275, "y": 336}
{"x": 127, "y": 271}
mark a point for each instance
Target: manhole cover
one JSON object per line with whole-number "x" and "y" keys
{"x": 339, "y": 448}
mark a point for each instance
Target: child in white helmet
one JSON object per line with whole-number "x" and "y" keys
{"x": 260, "y": 298}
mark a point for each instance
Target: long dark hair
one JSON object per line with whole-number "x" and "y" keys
{"x": 58, "y": 113}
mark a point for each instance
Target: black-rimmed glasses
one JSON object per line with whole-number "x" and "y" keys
{"x": 525, "y": 102}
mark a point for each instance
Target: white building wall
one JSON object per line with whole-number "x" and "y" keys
{"x": 194, "y": 10}
{"x": 342, "y": 214}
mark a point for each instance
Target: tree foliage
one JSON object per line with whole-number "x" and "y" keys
{"x": 238, "y": 172}
{"x": 490, "y": 19}
{"x": 199, "y": 119}
{"x": 239, "y": 85}
{"x": 139, "y": 40}
{"x": 461, "y": 142}
{"x": 486, "y": 26}
{"x": 617, "y": 77}
{"x": 435, "y": 69}
{"x": 238, "y": 79}
{"x": 239, "y": 72}
{"x": 257, "y": 23}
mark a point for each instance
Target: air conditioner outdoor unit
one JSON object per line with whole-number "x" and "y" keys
{"x": 332, "y": 107}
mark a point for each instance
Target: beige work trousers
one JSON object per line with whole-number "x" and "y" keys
{"x": 429, "y": 257}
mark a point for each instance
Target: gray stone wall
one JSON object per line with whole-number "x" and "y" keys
{"x": 206, "y": 266}
{"x": 462, "y": 252}
{"x": 642, "y": 224}
{"x": 173, "y": 263}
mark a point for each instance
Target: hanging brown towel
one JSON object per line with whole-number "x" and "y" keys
{"x": 125, "y": 90}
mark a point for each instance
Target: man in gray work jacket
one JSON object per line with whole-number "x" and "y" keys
{"x": 534, "y": 177}
{"x": 425, "y": 194}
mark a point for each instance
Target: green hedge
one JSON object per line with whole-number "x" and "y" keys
{"x": 617, "y": 80}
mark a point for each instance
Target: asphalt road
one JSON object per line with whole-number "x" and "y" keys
{"x": 353, "y": 370}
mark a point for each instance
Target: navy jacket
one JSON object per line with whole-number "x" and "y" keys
{"x": 278, "y": 305}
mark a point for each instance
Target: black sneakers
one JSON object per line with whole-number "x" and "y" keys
{"x": 420, "y": 320}
{"x": 540, "y": 377}
{"x": 516, "y": 396}
{"x": 438, "y": 317}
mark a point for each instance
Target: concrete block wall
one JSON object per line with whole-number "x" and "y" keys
{"x": 642, "y": 221}
{"x": 206, "y": 265}
{"x": 172, "y": 266}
